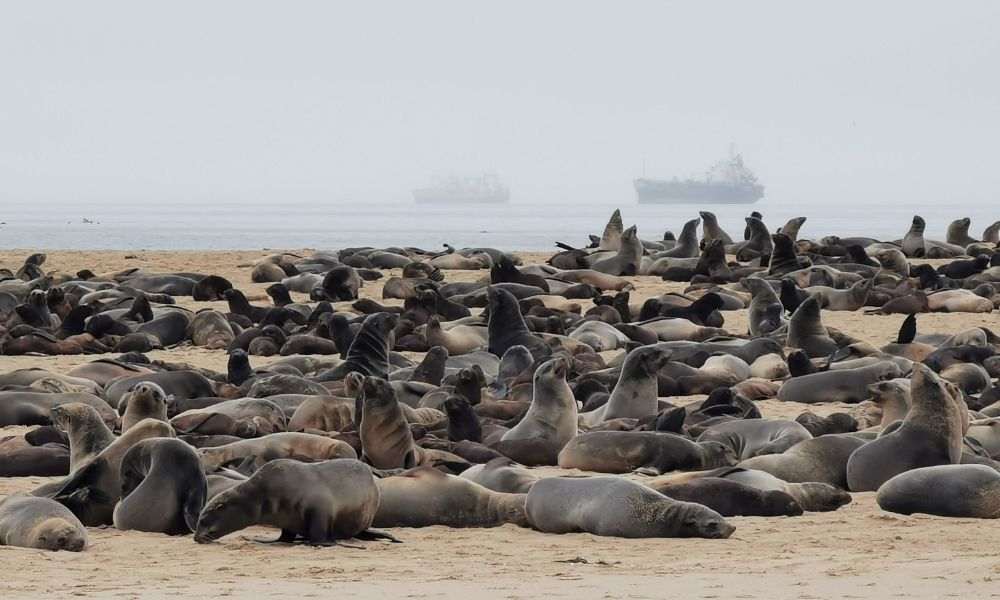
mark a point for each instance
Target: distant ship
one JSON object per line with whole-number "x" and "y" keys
{"x": 469, "y": 190}
{"x": 727, "y": 182}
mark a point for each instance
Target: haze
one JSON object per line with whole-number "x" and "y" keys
{"x": 320, "y": 102}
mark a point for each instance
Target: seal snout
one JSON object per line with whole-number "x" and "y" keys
{"x": 724, "y": 532}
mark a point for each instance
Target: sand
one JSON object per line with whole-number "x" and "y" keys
{"x": 858, "y": 551}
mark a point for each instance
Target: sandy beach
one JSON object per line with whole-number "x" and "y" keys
{"x": 858, "y": 551}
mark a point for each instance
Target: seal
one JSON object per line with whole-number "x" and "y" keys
{"x": 626, "y": 451}
{"x": 92, "y": 491}
{"x": 628, "y": 259}
{"x": 783, "y": 259}
{"x": 823, "y": 459}
{"x": 503, "y": 475}
{"x": 552, "y": 415}
{"x": 711, "y": 230}
{"x": 182, "y": 385}
{"x": 636, "y": 394}
{"x": 167, "y": 474}
{"x": 931, "y": 434}
{"x": 88, "y": 435}
{"x": 210, "y": 329}
{"x": 34, "y": 408}
{"x": 506, "y": 327}
{"x": 424, "y": 496}
{"x": 611, "y": 238}
{"x": 963, "y": 491}
{"x": 958, "y": 233}
{"x": 913, "y": 245}
{"x": 31, "y": 522}
{"x": 812, "y": 496}
{"x": 319, "y": 502}
{"x": 612, "y": 506}
{"x": 369, "y": 352}
{"x": 732, "y": 499}
{"x": 687, "y": 242}
{"x": 756, "y": 437}
{"x": 277, "y": 445}
{"x": 765, "y": 314}
{"x": 144, "y": 401}
{"x": 458, "y": 340}
{"x": 806, "y": 330}
{"x": 841, "y": 385}
{"x": 386, "y": 440}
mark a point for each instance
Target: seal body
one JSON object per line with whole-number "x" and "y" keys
{"x": 163, "y": 488}
{"x": 945, "y": 490}
{"x": 611, "y": 506}
{"x": 319, "y": 502}
{"x": 31, "y": 522}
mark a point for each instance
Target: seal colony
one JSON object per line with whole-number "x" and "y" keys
{"x": 451, "y": 397}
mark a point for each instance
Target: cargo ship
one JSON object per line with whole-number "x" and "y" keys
{"x": 727, "y": 182}
{"x": 469, "y": 190}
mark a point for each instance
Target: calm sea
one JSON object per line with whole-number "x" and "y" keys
{"x": 515, "y": 226}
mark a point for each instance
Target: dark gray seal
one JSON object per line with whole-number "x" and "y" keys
{"x": 163, "y": 488}
{"x": 963, "y": 491}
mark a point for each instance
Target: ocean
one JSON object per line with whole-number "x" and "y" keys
{"x": 514, "y": 226}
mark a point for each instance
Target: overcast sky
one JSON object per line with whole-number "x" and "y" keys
{"x": 333, "y": 101}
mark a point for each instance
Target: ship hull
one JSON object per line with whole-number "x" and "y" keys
{"x": 652, "y": 191}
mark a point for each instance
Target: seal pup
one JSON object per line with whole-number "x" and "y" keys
{"x": 732, "y": 499}
{"x": 627, "y": 451}
{"x": 612, "y": 506}
{"x": 163, "y": 488}
{"x": 145, "y": 400}
{"x": 277, "y": 445}
{"x": 424, "y": 496}
{"x": 931, "y": 434}
{"x": 963, "y": 491}
{"x": 812, "y": 496}
{"x": 754, "y": 437}
{"x": 32, "y": 522}
{"x": 552, "y": 415}
{"x": 319, "y": 502}
{"x": 501, "y": 474}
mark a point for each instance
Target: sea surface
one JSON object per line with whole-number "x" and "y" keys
{"x": 514, "y": 226}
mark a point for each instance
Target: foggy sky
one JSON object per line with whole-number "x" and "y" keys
{"x": 114, "y": 102}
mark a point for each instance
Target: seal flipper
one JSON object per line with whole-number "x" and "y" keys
{"x": 370, "y": 535}
{"x": 286, "y": 537}
{"x": 908, "y": 330}
{"x": 193, "y": 503}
